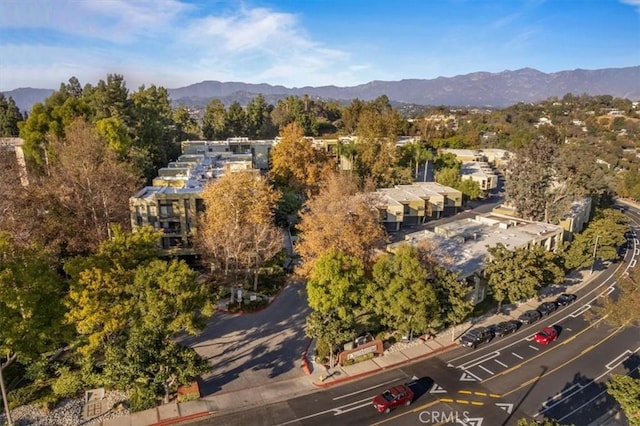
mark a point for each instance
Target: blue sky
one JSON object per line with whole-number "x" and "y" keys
{"x": 297, "y": 43}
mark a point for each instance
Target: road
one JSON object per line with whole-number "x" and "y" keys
{"x": 507, "y": 379}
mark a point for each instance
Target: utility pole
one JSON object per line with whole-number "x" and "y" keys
{"x": 4, "y": 398}
{"x": 595, "y": 250}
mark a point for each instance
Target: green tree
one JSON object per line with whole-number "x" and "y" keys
{"x": 517, "y": 274}
{"x": 415, "y": 154}
{"x": 31, "y": 308}
{"x": 626, "y": 391}
{"x": 600, "y": 240}
{"x": 236, "y": 120}
{"x": 400, "y": 293}
{"x": 10, "y": 116}
{"x": 213, "y": 122}
{"x": 259, "y": 123}
{"x": 186, "y": 127}
{"x": 452, "y": 296}
{"x": 335, "y": 284}
{"x": 329, "y": 329}
{"x": 148, "y": 357}
{"x": 123, "y": 284}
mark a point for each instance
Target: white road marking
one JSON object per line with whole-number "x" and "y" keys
{"x": 568, "y": 329}
{"x": 617, "y": 360}
{"x": 508, "y": 407}
{"x": 436, "y": 388}
{"x": 560, "y": 396}
{"x": 479, "y": 360}
{"x": 486, "y": 369}
{"x": 581, "y": 310}
{"x": 367, "y": 389}
{"x": 534, "y": 348}
{"x": 632, "y": 263}
{"x": 469, "y": 377}
{"x": 501, "y": 363}
{"x": 516, "y": 355}
{"x": 339, "y": 411}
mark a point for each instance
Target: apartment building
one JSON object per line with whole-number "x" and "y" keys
{"x": 462, "y": 245}
{"x": 480, "y": 172}
{"x": 416, "y": 203}
{"x": 174, "y": 199}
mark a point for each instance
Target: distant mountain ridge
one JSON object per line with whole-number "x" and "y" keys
{"x": 479, "y": 89}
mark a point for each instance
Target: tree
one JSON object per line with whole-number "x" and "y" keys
{"x": 236, "y": 120}
{"x": 335, "y": 285}
{"x": 401, "y": 295}
{"x": 530, "y": 177}
{"x": 624, "y": 310}
{"x": 127, "y": 305}
{"x": 259, "y": 123}
{"x": 295, "y": 162}
{"x": 213, "y": 122}
{"x": 517, "y": 274}
{"x": 237, "y": 229}
{"x": 339, "y": 217}
{"x": 88, "y": 188}
{"x": 147, "y": 356}
{"x": 31, "y": 306}
{"x": 452, "y": 296}
{"x": 186, "y": 126}
{"x": 600, "y": 240}
{"x": 626, "y": 391}
{"x": 329, "y": 329}
{"x": 10, "y": 116}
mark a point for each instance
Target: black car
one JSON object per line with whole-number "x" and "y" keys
{"x": 529, "y": 317}
{"x": 476, "y": 336}
{"x": 505, "y": 327}
{"x": 547, "y": 308}
{"x": 566, "y": 299}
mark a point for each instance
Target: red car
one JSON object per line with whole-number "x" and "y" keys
{"x": 546, "y": 335}
{"x": 392, "y": 398}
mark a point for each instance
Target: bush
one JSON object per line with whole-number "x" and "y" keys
{"x": 68, "y": 384}
{"x": 23, "y": 396}
{"x": 192, "y": 396}
{"x": 248, "y": 305}
{"x": 322, "y": 350}
{"x": 359, "y": 359}
{"x": 142, "y": 397}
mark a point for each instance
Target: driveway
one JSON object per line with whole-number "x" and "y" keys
{"x": 249, "y": 350}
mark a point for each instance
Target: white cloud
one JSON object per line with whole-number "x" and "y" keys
{"x": 635, "y": 3}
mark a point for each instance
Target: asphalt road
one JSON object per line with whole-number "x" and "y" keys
{"x": 507, "y": 379}
{"x": 249, "y": 350}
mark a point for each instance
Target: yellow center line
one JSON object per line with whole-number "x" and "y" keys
{"x": 509, "y": 370}
{"x": 465, "y": 391}
{"x": 553, "y": 370}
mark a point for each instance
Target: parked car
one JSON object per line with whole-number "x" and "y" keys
{"x": 566, "y": 299}
{"x": 392, "y": 398}
{"x": 547, "y": 308}
{"x": 476, "y": 336}
{"x": 530, "y": 316}
{"x": 546, "y": 335}
{"x": 505, "y": 327}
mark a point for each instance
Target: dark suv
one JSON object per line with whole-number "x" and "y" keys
{"x": 547, "y": 308}
{"x": 505, "y": 327}
{"x": 476, "y": 336}
{"x": 566, "y": 299}
{"x": 529, "y": 317}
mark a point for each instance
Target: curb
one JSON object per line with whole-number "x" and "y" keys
{"x": 273, "y": 299}
{"x": 335, "y": 382}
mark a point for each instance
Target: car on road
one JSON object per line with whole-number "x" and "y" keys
{"x": 566, "y": 299}
{"x": 530, "y": 316}
{"x": 392, "y": 398}
{"x": 505, "y": 327}
{"x": 546, "y": 335}
{"x": 476, "y": 336}
{"x": 547, "y": 308}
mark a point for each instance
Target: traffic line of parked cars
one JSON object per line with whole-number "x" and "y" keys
{"x": 479, "y": 335}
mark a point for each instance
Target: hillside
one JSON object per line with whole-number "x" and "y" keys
{"x": 480, "y": 89}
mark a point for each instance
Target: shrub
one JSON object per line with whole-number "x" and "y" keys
{"x": 192, "y": 396}
{"x": 24, "y": 395}
{"x": 69, "y": 383}
{"x": 142, "y": 397}
{"x": 322, "y": 350}
{"x": 359, "y": 359}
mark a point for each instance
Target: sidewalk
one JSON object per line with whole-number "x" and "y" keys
{"x": 421, "y": 348}
{"x": 278, "y": 391}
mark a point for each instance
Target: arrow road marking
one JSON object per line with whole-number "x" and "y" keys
{"x": 475, "y": 421}
{"x": 468, "y": 377}
{"x": 436, "y": 388}
{"x": 508, "y": 407}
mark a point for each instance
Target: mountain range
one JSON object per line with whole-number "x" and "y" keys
{"x": 479, "y": 89}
